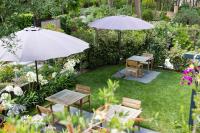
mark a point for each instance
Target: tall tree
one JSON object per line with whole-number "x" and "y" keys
{"x": 110, "y": 3}
{"x": 138, "y": 11}
{"x": 7, "y": 9}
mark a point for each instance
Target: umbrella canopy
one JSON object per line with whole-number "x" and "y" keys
{"x": 121, "y": 23}
{"x": 36, "y": 44}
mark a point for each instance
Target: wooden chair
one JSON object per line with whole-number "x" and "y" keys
{"x": 135, "y": 104}
{"x": 44, "y": 111}
{"x": 131, "y": 103}
{"x": 85, "y": 90}
{"x": 134, "y": 68}
{"x": 150, "y": 62}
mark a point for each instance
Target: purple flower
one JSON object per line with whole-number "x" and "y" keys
{"x": 187, "y": 71}
{"x": 188, "y": 79}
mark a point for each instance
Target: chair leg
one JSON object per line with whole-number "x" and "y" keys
{"x": 90, "y": 102}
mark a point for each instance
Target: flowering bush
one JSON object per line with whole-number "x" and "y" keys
{"x": 191, "y": 76}
{"x": 8, "y": 103}
{"x": 68, "y": 68}
{"x": 31, "y": 77}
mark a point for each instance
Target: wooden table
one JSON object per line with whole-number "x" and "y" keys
{"x": 129, "y": 113}
{"x": 116, "y": 110}
{"x": 66, "y": 97}
{"x": 141, "y": 59}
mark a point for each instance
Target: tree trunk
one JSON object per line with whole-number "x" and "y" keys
{"x": 110, "y": 3}
{"x": 138, "y": 11}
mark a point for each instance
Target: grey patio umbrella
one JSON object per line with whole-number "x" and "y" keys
{"x": 37, "y": 44}
{"x": 120, "y": 23}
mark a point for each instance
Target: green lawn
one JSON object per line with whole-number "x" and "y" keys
{"x": 164, "y": 95}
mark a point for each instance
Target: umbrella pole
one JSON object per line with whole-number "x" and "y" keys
{"x": 96, "y": 38}
{"x": 119, "y": 41}
{"x": 37, "y": 79}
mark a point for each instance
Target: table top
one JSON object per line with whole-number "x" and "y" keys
{"x": 127, "y": 113}
{"x": 66, "y": 97}
{"x": 139, "y": 58}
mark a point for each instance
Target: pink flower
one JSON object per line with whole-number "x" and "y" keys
{"x": 187, "y": 71}
{"x": 188, "y": 79}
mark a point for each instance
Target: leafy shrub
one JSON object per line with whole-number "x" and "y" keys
{"x": 177, "y": 59}
{"x": 23, "y": 20}
{"x": 149, "y": 4}
{"x": 148, "y": 15}
{"x": 6, "y": 73}
{"x": 53, "y": 27}
{"x": 30, "y": 98}
{"x": 163, "y": 16}
{"x": 69, "y": 23}
{"x": 187, "y": 16}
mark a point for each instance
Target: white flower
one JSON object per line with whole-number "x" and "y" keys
{"x": 5, "y": 96}
{"x": 54, "y": 74}
{"x": 37, "y": 118}
{"x": 42, "y": 80}
{"x": 18, "y": 91}
{"x": 9, "y": 88}
{"x": 7, "y": 104}
{"x": 31, "y": 76}
{"x": 69, "y": 67}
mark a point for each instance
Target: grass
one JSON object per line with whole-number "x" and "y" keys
{"x": 164, "y": 95}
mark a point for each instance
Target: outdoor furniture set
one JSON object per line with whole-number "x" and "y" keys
{"x": 81, "y": 95}
{"x": 134, "y": 64}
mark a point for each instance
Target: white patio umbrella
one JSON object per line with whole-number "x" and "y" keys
{"x": 120, "y": 23}
{"x": 37, "y": 44}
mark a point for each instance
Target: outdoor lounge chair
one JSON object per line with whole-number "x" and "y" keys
{"x": 150, "y": 62}
{"x": 85, "y": 90}
{"x": 133, "y": 68}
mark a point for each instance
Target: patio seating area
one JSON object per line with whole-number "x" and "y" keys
{"x": 99, "y": 66}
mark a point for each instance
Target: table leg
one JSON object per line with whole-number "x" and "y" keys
{"x": 81, "y": 103}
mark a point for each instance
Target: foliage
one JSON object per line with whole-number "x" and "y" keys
{"x": 108, "y": 94}
{"x": 52, "y": 79}
{"x": 149, "y": 4}
{"x": 106, "y": 48}
{"x": 187, "y": 16}
{"x": 7, "y": 9}
{"x": 53, "y": 27}
{"x": 30, "y": 98}
{"x": 6, "y": 73}
{"x": 182, "y": 126}
{"x": 177, "y": 59}
{"x": 191, "y": 76}
{"x": 22, "y": 20}
{"x": 148, "y": 15}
